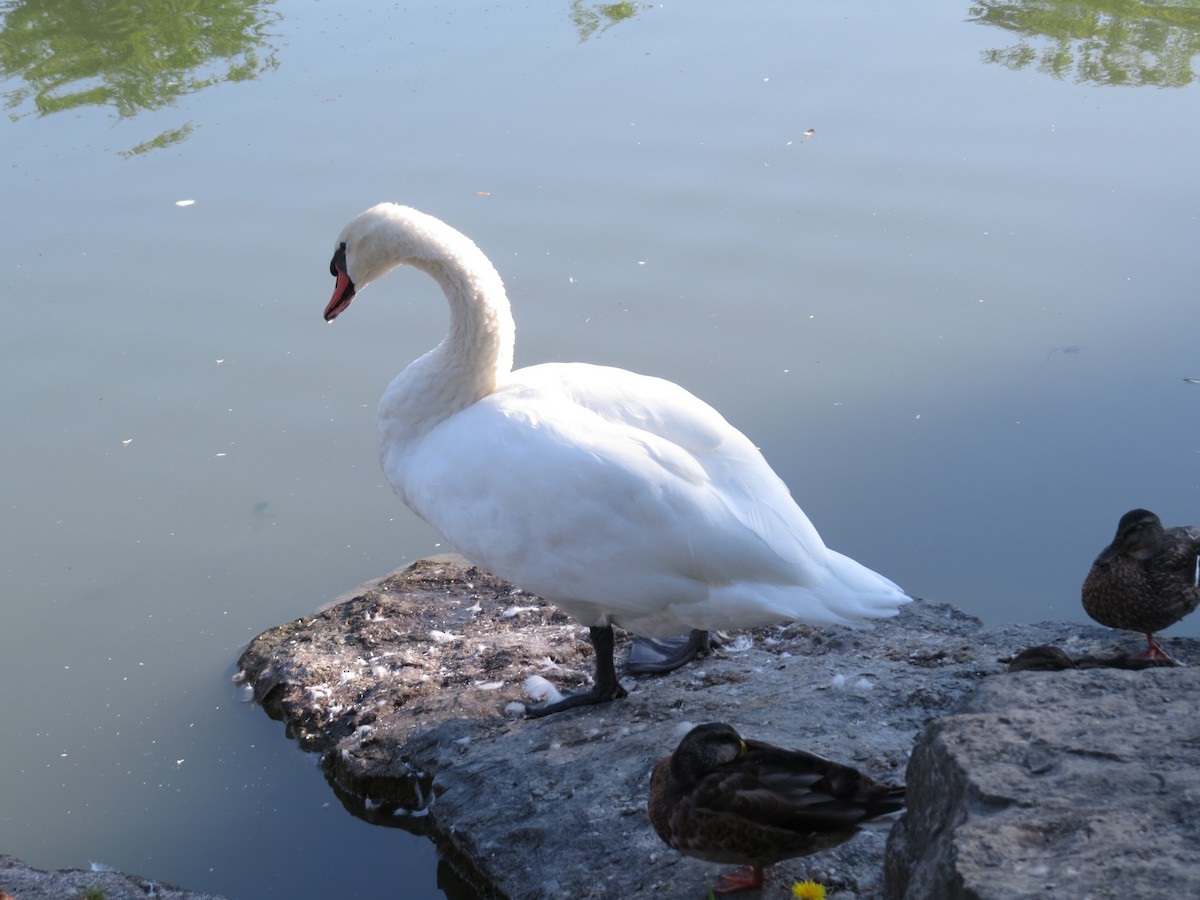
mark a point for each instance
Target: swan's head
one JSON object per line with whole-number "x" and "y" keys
{"x": 375, "y": 242}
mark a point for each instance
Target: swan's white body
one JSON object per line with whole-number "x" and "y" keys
{"x": 621, "y": 498}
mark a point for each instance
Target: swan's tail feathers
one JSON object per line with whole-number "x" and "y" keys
{"x": 865, "y": 593}
{"x": 849, "y": 594}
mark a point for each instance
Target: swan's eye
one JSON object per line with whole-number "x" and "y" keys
{"x": 338, "y": 261}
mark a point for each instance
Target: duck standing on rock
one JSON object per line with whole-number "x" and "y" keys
{"x": 1147, "y": 579}
{"x": 621, "y": 498}
{"x": 726, "y": 799}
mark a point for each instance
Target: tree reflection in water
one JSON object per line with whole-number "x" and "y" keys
{"x": 1117, "y": 42}
{"x": 131, "y": 55}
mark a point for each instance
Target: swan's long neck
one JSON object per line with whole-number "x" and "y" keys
{"x": 476, "y": 353}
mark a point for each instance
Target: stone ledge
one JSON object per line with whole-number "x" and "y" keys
{"x": 21, "y": 882}
{"x": 402, "y": 691}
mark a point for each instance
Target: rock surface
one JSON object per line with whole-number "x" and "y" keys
{"x": 1079, "y": 783}
{"x": 403, "y": 689}
{"x": 22, "y": 882}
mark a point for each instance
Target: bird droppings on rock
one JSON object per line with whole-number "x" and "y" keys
{"x": 515, "y": 805}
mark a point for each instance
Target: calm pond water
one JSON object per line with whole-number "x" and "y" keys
{"x": 939, "y": 261}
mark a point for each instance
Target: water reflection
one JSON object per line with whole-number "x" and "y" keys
{"x": 1098, "y": 41}
{"x": 132, "y": 56}
{"x": 401, "y": 802}
{"x": 597, "y": 18}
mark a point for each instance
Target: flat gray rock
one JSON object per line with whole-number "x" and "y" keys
{"x": 1077, "y": 783}
{"x": 21, "y": 882}
{"x": 403, "y": 691}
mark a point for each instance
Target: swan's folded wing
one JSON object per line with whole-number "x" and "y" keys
{"x": 741, "y": 480}
{"x": 733, "y": 466}
{"x": 625, "y": 499}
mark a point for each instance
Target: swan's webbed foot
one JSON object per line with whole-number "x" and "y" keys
{"x": 655, "y": 656}
{"x": 606, "y": 686}
{"x": 571, "y": 701}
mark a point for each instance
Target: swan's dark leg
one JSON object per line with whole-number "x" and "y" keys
{"x": 648, "y": 656}
{"x": 605, "y": 687}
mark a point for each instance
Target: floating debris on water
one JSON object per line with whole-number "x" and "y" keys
{"x": 1064, "y": 350}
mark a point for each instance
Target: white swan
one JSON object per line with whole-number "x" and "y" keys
{"x": 621, "y": 498}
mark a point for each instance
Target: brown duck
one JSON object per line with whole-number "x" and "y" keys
{"x": 726, "y": 799}
{"x": 1146, "y": 579}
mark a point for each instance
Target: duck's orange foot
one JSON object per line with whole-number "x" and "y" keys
{"x": 747, "y": 879}
{"x": 1154, "y": 650}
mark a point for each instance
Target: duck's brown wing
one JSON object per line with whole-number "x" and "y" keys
{"x": 798, "y": 791}
{"x": 757, "y": 819}
{"x": 1180, "y": 551}
{"x": 1174, "y": 573}
{"x": 769, "y": 804}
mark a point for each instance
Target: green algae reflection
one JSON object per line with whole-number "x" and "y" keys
{"x": 1113, "y": 42}
{"x": 129, "y": 56}
{"x": 597, "y": 18}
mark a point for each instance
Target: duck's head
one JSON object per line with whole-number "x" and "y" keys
{"x": 376, "y": 241}
{"x": 1139, "y": 536}
{"x": 704, "y": 749}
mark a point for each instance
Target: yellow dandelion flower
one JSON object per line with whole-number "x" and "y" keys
{"x": 808, "y": 890}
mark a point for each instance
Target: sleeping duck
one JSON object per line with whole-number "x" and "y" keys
{"x": 1146, "y": 579}
{"x": 726, "y": 799}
